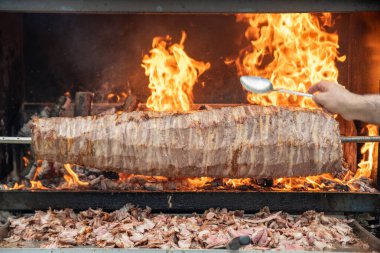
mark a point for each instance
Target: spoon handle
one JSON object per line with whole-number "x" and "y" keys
{"x": 295, "y": 93}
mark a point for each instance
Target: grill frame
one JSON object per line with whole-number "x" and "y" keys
{"x": 187, "y": 6}
{"x": 188, "y": 202}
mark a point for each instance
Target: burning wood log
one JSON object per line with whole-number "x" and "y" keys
{"x": 61, "y": 104}
{"x": 234, "y": 142}
{"x": 130, "y": 103}
{"x": 83, "y": 103}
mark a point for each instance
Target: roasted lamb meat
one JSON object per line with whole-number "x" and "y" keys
{"x": 132, "y": 227}
{"x": 234, "y": 142}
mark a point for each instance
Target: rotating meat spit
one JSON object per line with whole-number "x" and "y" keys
{"x": 344, "y": 139}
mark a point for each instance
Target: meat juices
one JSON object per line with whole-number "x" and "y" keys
{"x": 234, "y": 142}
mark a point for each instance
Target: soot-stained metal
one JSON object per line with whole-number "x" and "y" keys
{"x": 187, "y": 202}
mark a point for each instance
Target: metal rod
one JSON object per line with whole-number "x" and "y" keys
{"x": 15, "y": 140}
{"x": 344, "y": 139}
{"x": 360, "y": 139}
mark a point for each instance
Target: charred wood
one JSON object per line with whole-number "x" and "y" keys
{"x": 83, "y": 103}
{"x": 31, "y": 170}
{"x": 62, "y": 103}
{"x": 205, "y": 107}
{"x": 130, "y": 103}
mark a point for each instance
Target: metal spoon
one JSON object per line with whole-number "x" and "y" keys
{"x": 261, "y": 85}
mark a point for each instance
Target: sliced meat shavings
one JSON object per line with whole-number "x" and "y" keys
{"x": 132, "y": 227}
{"x": 269, "y": 218}
{"x": 68, "y": 236}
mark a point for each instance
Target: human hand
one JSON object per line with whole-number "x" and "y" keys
{"x": 335, "y": 98}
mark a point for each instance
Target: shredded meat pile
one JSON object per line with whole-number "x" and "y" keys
{"x": 135, "y": 227}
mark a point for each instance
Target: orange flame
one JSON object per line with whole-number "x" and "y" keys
{"x": 369, "y": 153}
{"x": 113, "y": 97}
{"x": 199, "y": 182}
{"x": 37, "y": 185}
{"x": 38, "y": 170}
{"x": 172, "y": 75}
{"x": 293, "y": 51}
{"x": 26, "y": 161}
{"x": 72, "y": 178}
{"x": 236, "y": 182}
{"x": 17, "y": 186}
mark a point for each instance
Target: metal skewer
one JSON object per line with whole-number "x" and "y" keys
{"x": 360, "y": 139}
{"x": 15, "y": 140}
{"x": 344, "y": 139}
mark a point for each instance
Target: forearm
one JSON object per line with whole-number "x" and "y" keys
{"x": 365, "y": 108}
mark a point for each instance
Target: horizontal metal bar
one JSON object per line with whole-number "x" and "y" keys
{"x": 188, "y": 202}
{"x": 15, "y": 140}
{"x": 360, "y": 139}
{"x": 345, "y": 139}
{"x": 187, "y": 6}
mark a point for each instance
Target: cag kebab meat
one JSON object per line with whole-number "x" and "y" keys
{"x": 234, "y": 142}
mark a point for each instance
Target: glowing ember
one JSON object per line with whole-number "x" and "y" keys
{"x": 199, "y": 182}
{"x": 236, "y": 182}
{"x": 26, "y": 161}
{"x": 116, "y": 97}
{"x": 293, "y": 51}
{"x": 172, "y": 75}
{"x": 112, "y": 97}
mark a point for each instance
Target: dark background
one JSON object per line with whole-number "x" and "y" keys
{"x": 104, "y": 52}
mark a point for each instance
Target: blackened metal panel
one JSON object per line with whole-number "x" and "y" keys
{"x": 185, "y": 202}
{"x": 11, "y": 84}
{"x": 187, "y": 6}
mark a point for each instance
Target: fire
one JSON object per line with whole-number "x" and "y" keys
{"x": 37, "y": 185}
{"x": 199, "y": 182}
{"x": 113, "y": 97}
{"x": 72, "y": 178}
{"x": 26, "y": 161}
{"x": 326, "y": 181}
{"x": 236, "y": 182}
{"x": 38, "y": 170}
{"x": 172, "y": 75}
{"x": 369, "y": 152}
{"x": 16, "y": 186}
{"x": 293, "y": 51}
{"x": 116, "y": 97}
